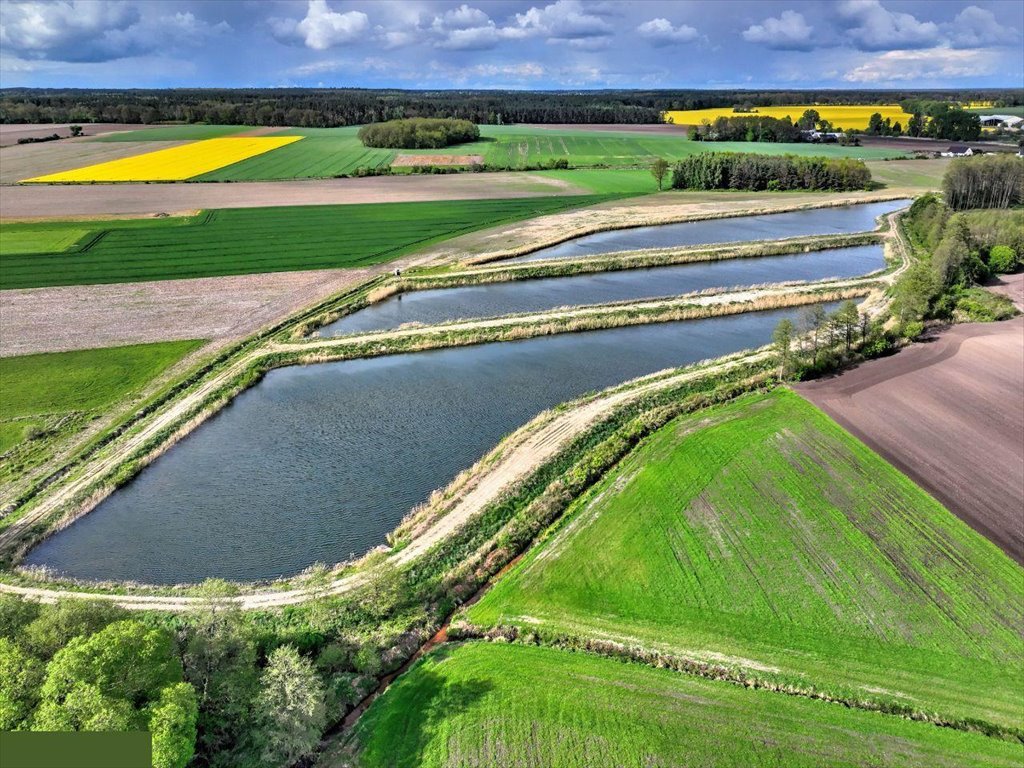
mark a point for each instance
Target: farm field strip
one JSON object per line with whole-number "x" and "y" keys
{"x": 765, "y": 536}
{"x": 195, "y": 132}
{"x": 327, "y": 152}
{"x": 494, "y": 704}
{"x": 49, "y": 398}
{"x": 251, "y": 240}
{"x": 173, "y": 164}
{"x": 842, "y": 116}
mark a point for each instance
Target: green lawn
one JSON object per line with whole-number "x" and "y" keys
{"x": 252, "y": 240}
{"x": 327, "y": 152}
{"x": 175, "y": 133}
{"x": 24, "y": 238}
{"x": 610, "y": 181}
{"x": 918, "y": 174}
{"x": 486, "y": 704}
{"x": 48, "y": 397}
{"x": 762, "y": 536}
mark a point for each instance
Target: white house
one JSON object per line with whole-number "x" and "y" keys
{"x": 957, "y": 150}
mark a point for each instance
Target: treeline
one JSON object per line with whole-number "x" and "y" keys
{"x": 988, "y": 181}
{"x": 418, "y": 133}
{"x": 752, "y": 128}
{"x": 730, "y": 170}
{"x": 955, "y": 251}
{"x": 327, "y": 107}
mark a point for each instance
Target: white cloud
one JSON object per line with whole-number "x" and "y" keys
{"x": 976, "y": 27}
{"x": 95, "y": 30}
{"x": 789, "y": 32}
{"x": 934, "y": 64}
{"x": 321, "y": 28}
{"x": 661, "y": 32}
{"x": 564, "y": 19}
{"x": 464, "y": 29}
{"x": 871, "y": 27}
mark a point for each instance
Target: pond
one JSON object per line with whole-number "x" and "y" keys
{"x": 775, "y": 226}
{"x": 442, "y": 305}
{"x": 319, "y": 463}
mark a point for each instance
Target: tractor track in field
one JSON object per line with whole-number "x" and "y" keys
{"x": 513, "y": 460}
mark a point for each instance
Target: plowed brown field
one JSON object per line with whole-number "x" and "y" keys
{"x": 949, "y": 413}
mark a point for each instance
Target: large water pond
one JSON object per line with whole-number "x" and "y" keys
{"x": 818, "y": 221}
{"x": 318, "y": 463}
{"x": 446, "y": 304}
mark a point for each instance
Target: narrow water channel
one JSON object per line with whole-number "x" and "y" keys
{"x": 319, "y": 463}
{"x": 437, "y": 306}
{"x": 775, "y": 226}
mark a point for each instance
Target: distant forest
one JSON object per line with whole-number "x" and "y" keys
{"x": 320, "y": 107}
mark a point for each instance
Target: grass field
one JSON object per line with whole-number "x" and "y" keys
{"x": 326, "y": 152}
{"x": 498, "y": 705}
{"x": 919, "y": 174}
{"x": 841, "y": 116}
{"x": 54, "y": 395}
{"x": 609, "y": 181}
{"x": 175, "y": 133}
{"x": 251, "y": 240}
{"x": 1018, "y": 111}
{"x": 762, "y": 536}
{"x": 172, "y": 164}
{"x": 27, "y": 238}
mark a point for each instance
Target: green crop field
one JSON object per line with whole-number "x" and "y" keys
{"x": 24, "y": 238}
{"x": 1018, "y": 111}
{"x": 327, "y": 152}
{"x": 251, "y": 240}
{"x": 609, "y": 181}
{"x": 54, "y": 395}
{"x": 761, "y": 536}
{"x": 515, "y": 705}
{"x": 175, "y": 133}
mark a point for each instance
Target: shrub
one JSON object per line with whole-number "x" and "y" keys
{"x": 1002, "y": 259}
{"x": 418, "y": 133}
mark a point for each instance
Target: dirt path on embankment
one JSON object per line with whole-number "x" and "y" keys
{"x": 512, "y": 461}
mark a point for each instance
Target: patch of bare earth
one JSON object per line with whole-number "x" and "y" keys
{"x": 11, "y": 132}
{"x": 25, "y": 161}
{"x": 66, "y": 200}
{"x": 217, "y": 308}
{"x": 1011, "y": 286}
{"x": 948, "y": 413}
{"x": 409, "y": 161}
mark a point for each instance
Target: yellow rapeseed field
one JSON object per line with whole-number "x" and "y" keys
{"x": 173, "y": 164}
{"x": 854, "y": 117}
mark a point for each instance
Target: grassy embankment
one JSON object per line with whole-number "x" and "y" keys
{"x": 249, "y": 240}
{"x": 512, "y": 705}
{"x": 48, "y": 398}
{"x": 772, "y": 544}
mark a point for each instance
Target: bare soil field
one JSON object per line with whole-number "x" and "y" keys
{"x": 69, "y": 200}
{"x": 11, "y": 132}
{"x": 911, "y": 144}
{"x": 948, "y": 413}
{"x": 407, "y": 161}
{"x": 27, "y": 160}
{"x": 1011, "y": 286}
{"x": 220, "y": 309}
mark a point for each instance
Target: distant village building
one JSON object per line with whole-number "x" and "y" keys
{"x": 958, "y": 150}
{"x": 1002, "y": 121}
{"x": 823, "y": 137}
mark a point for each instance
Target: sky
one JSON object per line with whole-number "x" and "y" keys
{"x": 564, "y": 44}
